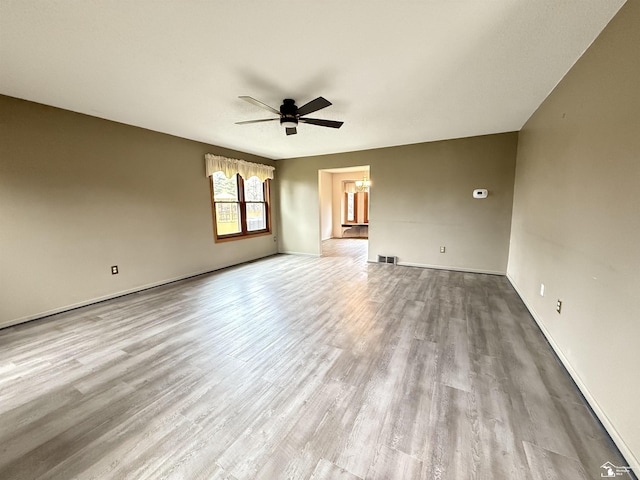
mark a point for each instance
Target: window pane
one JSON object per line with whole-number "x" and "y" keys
{"x": 253, "y": 190}
{"x": 351, "y": 213}
{"x": 227, "y": 218}
{"x": 225, "y": 189}
{"x": 256, "y": 217}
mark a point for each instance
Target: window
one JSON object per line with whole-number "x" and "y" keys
{"x": 351, "y": 207}
{"x": 240, "y": 207}
{"x": 356, "y": 207}
{"x": 254, "y": 195}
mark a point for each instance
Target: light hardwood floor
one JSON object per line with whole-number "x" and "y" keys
{"x": 296, "y": 367}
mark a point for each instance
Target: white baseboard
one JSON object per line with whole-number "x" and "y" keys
{"x": 121, "y": 293}
{"x": 631, "y": 459}
{"x": 445, "y": 267}
{"x": 304, "y": 254}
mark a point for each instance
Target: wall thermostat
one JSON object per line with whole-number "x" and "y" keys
{"x": 480, "y": 193}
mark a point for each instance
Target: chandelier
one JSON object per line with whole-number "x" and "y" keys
{"x": 363, "y": 185}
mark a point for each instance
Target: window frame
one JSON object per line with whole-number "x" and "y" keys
{"x": 244, "y": 232}
{"x": 365, "y": 199}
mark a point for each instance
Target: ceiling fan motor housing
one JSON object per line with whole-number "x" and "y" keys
{"x": 289, "y": 113}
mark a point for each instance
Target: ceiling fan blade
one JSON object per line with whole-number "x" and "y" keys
{"x": 313, "y": 106}
{"x": 257, "y": 121}
{"x": 258, "y": 103}
{"x": 291, "y": 131}
{"x": 322, "y": 123}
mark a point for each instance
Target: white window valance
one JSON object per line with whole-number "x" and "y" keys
{"x": 231, "y": 166}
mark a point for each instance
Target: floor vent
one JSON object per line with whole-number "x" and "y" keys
{"x": 385, "y": 259}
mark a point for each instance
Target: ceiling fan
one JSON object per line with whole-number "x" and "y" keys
{"x": 290, "y": 114}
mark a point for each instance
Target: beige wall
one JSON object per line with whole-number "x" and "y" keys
{"x": 421, "y": 198}
{"x": 326, "y": 205}
{"x": 576, "y": 224}
{"x": 79, "y": 194}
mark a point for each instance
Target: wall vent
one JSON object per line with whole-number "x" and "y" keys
{"x": 387, "y": 259}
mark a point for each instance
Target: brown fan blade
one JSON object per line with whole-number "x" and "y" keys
{"x": 258, "y": 103}
{"x": 322, "y": 123}
{"x": 257, "y": 121}
{"x": 313, "y": 106}
{"x": 291, "y": 131}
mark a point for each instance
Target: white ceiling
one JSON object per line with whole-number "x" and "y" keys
{"x": 397, "y": 72}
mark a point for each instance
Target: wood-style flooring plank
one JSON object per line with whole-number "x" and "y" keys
{"x": 390, "y": 463}
{"x": 546, "y": 465}
{"x": 328, "y": 471}
{"x": 296, "y": 368}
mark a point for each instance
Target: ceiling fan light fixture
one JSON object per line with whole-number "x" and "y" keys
{"x": 291, "y": 115}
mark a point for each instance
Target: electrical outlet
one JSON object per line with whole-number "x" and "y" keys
{"x": 442, "y": 249}
{"x": 114, "y": 270}
{"x": 559, "y": 306}
{"x": 542, "y": 289}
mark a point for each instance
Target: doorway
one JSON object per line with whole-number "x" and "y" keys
{"x": 344, "y": 212}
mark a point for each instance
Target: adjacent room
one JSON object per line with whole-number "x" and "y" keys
{"x": 319, "y": 240}
{"x": 344, "y": 211}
